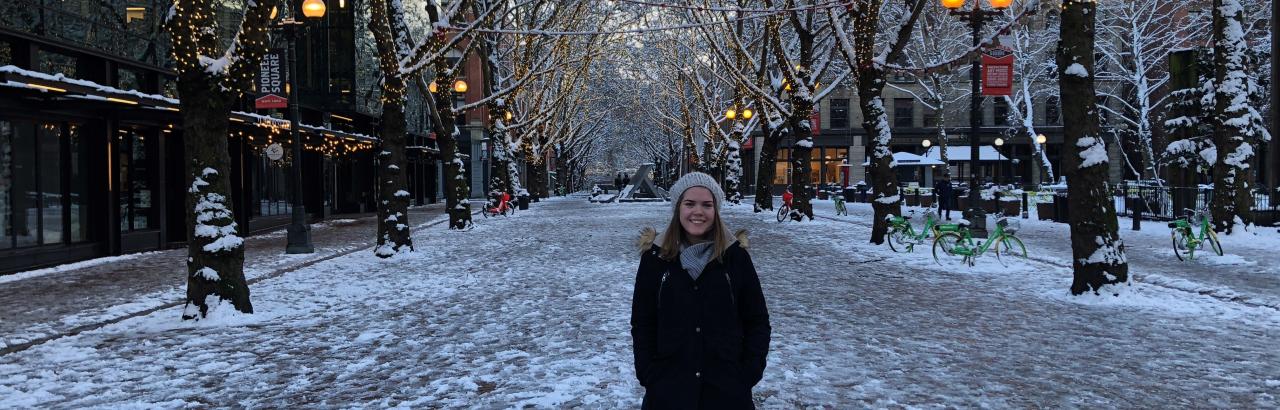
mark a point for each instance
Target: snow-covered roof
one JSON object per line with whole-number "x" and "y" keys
{"x": 961, "y": 153}
{"x": 13, "y": 76}
{"x": 907, "y": 159}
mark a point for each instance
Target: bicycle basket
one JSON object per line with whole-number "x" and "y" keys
{"x": 1010, "y": 225}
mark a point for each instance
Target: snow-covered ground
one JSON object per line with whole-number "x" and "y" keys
{"x": 532, "y": 309}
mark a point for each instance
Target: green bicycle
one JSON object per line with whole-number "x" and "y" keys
{"x": 1186, "y": 242}
{"x": 955, "y": 244}
{"x": 839, "y": 201}
{"x": 904, "y": 238}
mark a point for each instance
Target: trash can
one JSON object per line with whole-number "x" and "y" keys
{"x": 849, "y": 194}
{"x": 524, "y": 200}
{"x": 1060, "y": 210}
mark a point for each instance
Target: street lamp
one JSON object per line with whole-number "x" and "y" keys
{"x": 976, "y": 16}
{"x": 926, "y": 143}
{"x": 999, "y": 142}
{"x": 730, "y": 113}
{"x": 299, "y": 229}
{"x": 746, "y": 113}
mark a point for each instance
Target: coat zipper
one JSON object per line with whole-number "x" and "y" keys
{"x": 731, "y": 298}
{"x": 662, "y": 284}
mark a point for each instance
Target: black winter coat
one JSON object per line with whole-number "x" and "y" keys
{"x": 703, "y": 343}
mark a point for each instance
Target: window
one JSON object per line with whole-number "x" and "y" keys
{"x": 271, "y": 187}
{"x": 6, "y": 53}
{"x": 830, "y": 165}
{"x": 32, "y": 195}
{"x": 839, "y": 113}
{"x": 1052, "y": 111}
{"x": 930, "y": 118}
{"x": 136, "y": 171}
{"x": 1000, "y": 111}
{"x": 903, "y": 112}
{"x": 782, "y": 167}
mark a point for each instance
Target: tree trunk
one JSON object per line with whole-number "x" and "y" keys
{"x": 215, "y": 254}
{"x": 733, "y": 167}
{"x": 1098, "y": 253}
{"x": 1232, "y": 133}
{"x": 457, "y": 190}
{"x": 767, "y": 170}
{"x": 393, "y": 197}
{"x": 884, "y": 182}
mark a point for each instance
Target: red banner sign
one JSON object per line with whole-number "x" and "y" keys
{"x": 997, "y": 71}
{"x": 815, "y": 122}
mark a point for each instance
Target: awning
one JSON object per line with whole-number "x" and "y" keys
{"x": 907, "y": 159}
{"x": 961, "y": 153}
{"x": 60, "y": 85}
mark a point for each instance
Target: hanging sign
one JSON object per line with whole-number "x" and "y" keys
{"x": 270, "y": 82}
{"x": 815, "y": 122}
{"x": 997, "y": 71}
{"x": 275, "y": 151}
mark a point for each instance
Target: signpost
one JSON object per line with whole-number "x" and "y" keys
{"x": 270, "y": 83}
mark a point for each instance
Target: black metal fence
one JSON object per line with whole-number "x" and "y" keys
{"x": 1163, "y": 202}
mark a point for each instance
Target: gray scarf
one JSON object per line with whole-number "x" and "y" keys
{"x": 695, "y": 257}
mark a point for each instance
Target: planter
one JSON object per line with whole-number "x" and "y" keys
{"x": 962, "y": 203}
{"x": 1044, "y": 211}
{"x": 1011, "y": 208}
{"x": 989, "y": 205}
{"x": 913, "y": 200}
{"x": 926, "y": 201}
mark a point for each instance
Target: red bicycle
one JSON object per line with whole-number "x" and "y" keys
{"x": 503, "y": 206}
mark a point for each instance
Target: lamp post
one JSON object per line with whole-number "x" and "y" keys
{"x": 976, "y": 17}
{"x": 999, "y": 142}
{"x": 299, "y": 229}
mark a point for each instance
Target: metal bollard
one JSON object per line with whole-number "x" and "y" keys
{"x": 1137, "y": 214}
{"x": 1025, "y": 205}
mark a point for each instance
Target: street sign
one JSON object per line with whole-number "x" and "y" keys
{"x": 270, "y": 82}
{"x": 997, "y": 71}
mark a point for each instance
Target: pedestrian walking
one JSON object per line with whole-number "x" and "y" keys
{"x": 617, "y": 182}
{"x": 942, "y": 188}
{"x": 699, "y": 323}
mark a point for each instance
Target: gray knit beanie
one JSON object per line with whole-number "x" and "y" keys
{"x": 694, "y": 179}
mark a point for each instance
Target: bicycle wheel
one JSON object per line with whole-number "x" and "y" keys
{"x": 943, "y": 247}
{"x": 782, "y": 213}
{"x": 1212, "y": 239}
{"x": 485, "y": 212}
{"x": 898, "y": 240}
{"x": 1179, "y": 244}
{"x": 1010, "y": 248}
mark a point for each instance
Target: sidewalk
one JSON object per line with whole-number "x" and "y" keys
{"x": 1248, "y": 272}
{"x": 56, "y": 300}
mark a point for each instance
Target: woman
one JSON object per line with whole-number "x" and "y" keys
{"x": 698, "y": 316}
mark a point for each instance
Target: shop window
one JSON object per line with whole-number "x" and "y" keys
{"x": 930, "y": 117}
{"x": 32, "y": 196}
{"x": 782, "y": 167}
{"x": 136, "y": 169}
{"x": 271, "y": 184}
{"x": 78, "y": 196}
{"x": 50, "y": 175}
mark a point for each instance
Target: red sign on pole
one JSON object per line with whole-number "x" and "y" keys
{"x": 815, "y": 122}
{"x": 997, "y": 71}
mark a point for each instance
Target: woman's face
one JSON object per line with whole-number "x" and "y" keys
{"x": 697, "y": 212}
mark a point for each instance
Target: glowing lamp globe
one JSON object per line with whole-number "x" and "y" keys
{"x": 1040, "y": 139}
{"x": 432, "y": 87}
{"x": 507, "y": 116}
{"x": 313, "y": 9}
{"x": 999, "y": 142}
{"x": 926, "y": 143}
{"x": 1000, "y": 4}
{"x": 746, "y": 114}
{"x": 730, "y": 114}
{"x": 952, "y": 4}
{"x": 460, "y": 86}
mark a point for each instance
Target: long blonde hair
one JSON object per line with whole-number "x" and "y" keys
{"x": 675, "y": 235}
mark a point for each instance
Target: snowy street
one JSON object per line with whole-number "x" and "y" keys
{"x": 533, "y": 310}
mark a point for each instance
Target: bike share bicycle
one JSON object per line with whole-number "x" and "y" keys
{"x": 903, "y": 236}
{"x": 1186, "y": 242}
{"x": 955, "y": 244}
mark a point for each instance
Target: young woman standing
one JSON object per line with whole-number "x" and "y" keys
{"x": 698, "y": 318}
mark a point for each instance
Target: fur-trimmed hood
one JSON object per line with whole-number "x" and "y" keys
{"x": 649, "y": 237}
